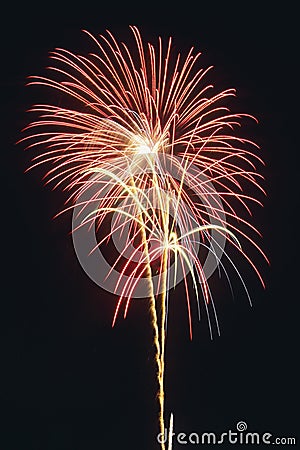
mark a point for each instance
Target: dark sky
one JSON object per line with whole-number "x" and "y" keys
{"x": 70, "y": 382}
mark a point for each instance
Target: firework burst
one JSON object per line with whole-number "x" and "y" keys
{"x": 142, "y": 139}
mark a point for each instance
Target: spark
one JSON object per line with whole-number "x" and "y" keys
{"x": 170, "y": 439}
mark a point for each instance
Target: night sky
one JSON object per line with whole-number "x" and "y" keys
{"x": 70, "y": 381}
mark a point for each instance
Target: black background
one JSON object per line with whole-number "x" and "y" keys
{"x": 69, "y": 380}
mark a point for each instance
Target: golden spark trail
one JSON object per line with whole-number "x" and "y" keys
{"x": 163, "y": 313}
{"x": 159, "y": 346}
{"x": 159, "y": 356}
{"x": 170, "y": 439}
{"x": 163, "y": 337}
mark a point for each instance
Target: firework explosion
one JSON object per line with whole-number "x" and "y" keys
{"x": 144, "y": 142}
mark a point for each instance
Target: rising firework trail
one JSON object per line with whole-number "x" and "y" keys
{"x": 142, "y": 142}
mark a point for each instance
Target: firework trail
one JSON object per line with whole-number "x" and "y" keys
{"x": 170, "y": 432}
{"x": 140, "y": 138}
